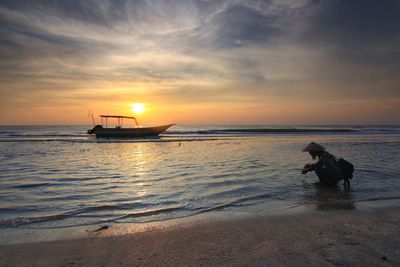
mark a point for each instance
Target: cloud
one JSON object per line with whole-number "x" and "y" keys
{"x": 199, "y": 51}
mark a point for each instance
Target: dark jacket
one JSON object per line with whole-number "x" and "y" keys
{"x": 327, "y": 169}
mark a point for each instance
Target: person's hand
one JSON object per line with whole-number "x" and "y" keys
{"x": 306, "y": 168}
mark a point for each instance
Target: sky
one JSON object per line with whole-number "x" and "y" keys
{"x": 201, "y": 62}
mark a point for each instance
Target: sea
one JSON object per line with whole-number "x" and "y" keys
{"x": 59, "y": 177}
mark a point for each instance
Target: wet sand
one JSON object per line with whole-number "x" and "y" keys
{"x": 318, "y": 238}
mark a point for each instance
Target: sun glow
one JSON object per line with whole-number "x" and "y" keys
{"x": 137, "y": 108}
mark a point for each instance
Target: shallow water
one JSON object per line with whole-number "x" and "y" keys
{"x": 57, "y": 177}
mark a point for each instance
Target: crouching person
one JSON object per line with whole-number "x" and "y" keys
{"x": 326, "y": 168}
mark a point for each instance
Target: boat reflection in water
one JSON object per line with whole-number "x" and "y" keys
{"x": 101, "y": 130}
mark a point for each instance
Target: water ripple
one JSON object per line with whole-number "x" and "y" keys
{"x": 52, "y": 179}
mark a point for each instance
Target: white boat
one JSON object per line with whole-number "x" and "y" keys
{"x": 102, "y": 130}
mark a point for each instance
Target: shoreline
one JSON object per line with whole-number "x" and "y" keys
{"x": 315, "y": 238}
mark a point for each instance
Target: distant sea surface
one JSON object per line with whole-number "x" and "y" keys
{"x": 60, "y": 177}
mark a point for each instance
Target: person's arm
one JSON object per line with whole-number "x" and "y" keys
{"x": 308, "y": 168}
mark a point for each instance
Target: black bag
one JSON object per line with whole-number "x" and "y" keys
{"x": 346, "y": 167}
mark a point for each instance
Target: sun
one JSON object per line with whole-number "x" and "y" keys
{"x": 137, "y": 108}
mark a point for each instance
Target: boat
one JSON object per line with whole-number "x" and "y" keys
{"x": 102, "y": 130}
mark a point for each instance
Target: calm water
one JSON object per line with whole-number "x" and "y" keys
{"x": 55, "y": 177}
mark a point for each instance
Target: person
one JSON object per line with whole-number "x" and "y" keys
{"x": 326, "y": 168}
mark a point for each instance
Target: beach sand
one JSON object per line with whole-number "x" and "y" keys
{"x": 316, "y": 238}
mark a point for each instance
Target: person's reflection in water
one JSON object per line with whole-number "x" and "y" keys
{"x": 329, "y": 198}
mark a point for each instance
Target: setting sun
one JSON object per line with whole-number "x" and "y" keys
{"x": 137, "y": 108}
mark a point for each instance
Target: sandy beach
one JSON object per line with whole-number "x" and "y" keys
{"x": 317, "y": 238}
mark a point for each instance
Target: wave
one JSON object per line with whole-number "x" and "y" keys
{"x": 185, "y": 211}
{"x": 262, "y": 130}
{"x": 380, "y": 198}
{"x": 24, "y": 186}
{"x": 149, "y": 213}
{"x": 285, "y": 130}
{"x": 19, "y": 135}
{"x": 15, "y": 222}
{"x": 87, "y": 139}
{"x": 235, "y": 203}
{"x": 85, "y": 212}
{"x": 188, "y": 133}
{"x": 23, "y": 221}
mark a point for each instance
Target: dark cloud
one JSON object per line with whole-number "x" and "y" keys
{"x": 359, "y": 23}
{"x": 367, "y": 30}
{"x": 103, "y": 13}
{"x": 236, "y": 26}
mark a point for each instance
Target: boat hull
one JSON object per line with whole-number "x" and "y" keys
{"x": 129, "y": 132}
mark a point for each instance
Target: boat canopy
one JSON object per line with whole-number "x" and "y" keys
{"x": 120, "y": 118}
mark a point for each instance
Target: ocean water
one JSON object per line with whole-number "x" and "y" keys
{"x": 59, "y": 177}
